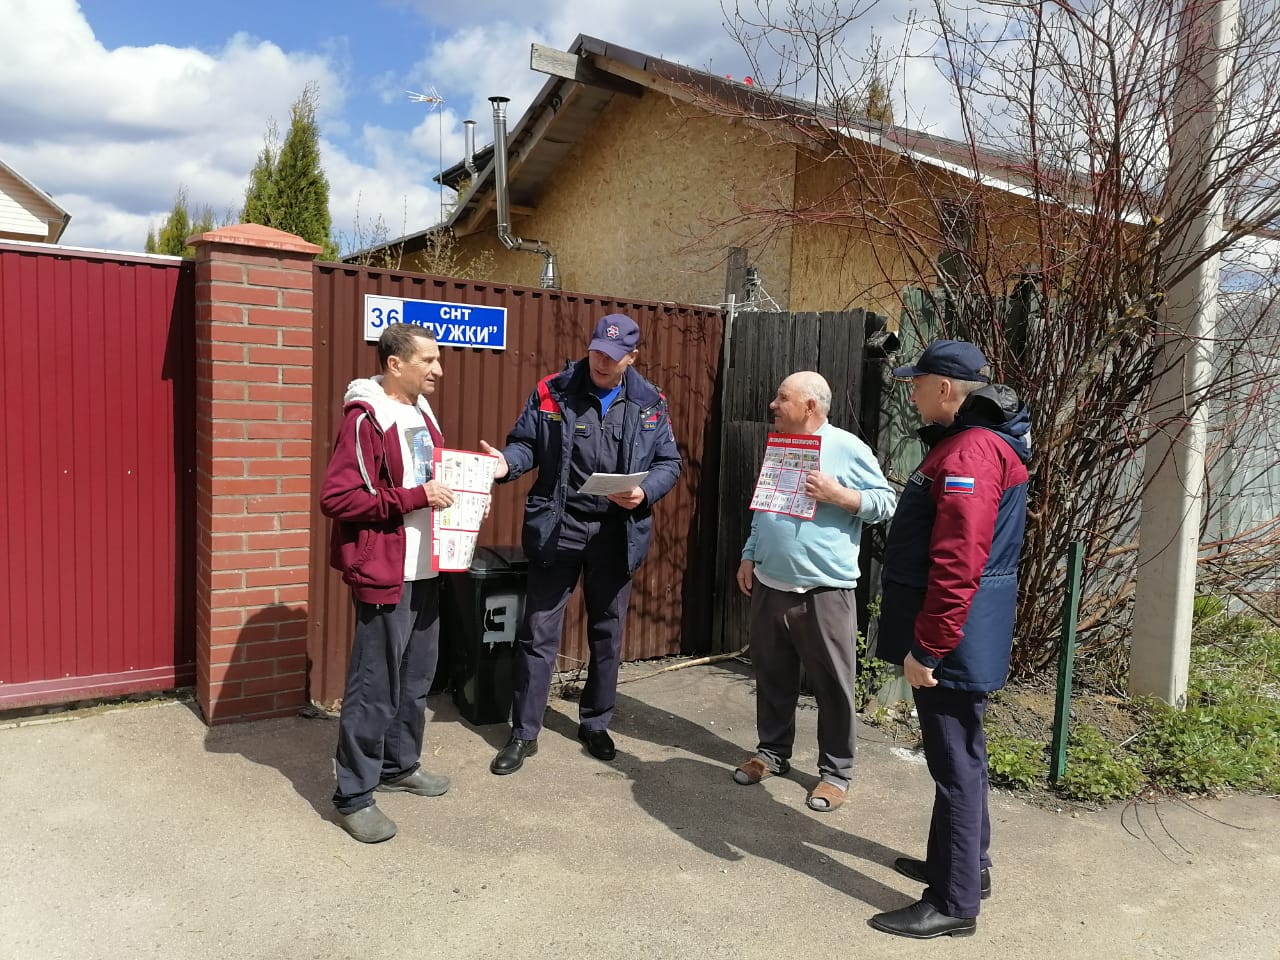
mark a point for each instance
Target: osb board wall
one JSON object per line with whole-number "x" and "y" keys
{"x": 645, "y": 207}
{"x": 849, "y": 256}
{"x": 838, "y": 262}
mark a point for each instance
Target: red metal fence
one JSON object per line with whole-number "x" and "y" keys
{"x": 479, "y": 397}
{"x": 96, "y": 453}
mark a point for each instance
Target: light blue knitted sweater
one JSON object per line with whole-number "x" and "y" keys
{"x": 823, "y": 551}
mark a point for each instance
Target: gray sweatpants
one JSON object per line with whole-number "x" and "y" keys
{"x": 816, "y": 629}
{"x": 384, "y": 710}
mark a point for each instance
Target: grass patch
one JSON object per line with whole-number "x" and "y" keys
{"x": 1014, "y": 761}
{"x": 1227, "y": 737}
{"x": 1098, "y": 771}
{"x": 871, "y": 672}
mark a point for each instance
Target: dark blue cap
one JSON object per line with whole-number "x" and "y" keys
{"x": 617, "y": 335}
{"x": 957, "y": 359}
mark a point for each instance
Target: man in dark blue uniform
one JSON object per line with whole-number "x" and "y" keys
{"x": 596, "y": 416}
{"x": 950, "y": 591}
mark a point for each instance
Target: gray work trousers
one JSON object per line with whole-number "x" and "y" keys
{"x": 384, "y": 709}
{"x": 815, "y": 629}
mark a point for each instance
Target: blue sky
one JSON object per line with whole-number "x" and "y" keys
{"x": 111, "y": 106}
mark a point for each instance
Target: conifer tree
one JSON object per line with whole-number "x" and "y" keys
{"x": 260, "y": 195}
{"x": 287, "y": 186}
{"x": 171, "y": 238}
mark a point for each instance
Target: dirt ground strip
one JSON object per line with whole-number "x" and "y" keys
{"x": 141, "y": 833}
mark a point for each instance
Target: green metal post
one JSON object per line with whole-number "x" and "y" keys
{"x": 1066, "y": 663}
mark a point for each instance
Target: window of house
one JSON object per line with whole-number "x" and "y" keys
{"x": 956, "y": 243}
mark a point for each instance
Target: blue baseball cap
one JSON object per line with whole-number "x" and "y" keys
{"x": 957, "y": 359}
{"x": 615, "y": 335}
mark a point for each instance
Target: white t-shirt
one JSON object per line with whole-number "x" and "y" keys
{"x": 416, "y": 449}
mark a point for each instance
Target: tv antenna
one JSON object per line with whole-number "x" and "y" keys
{"x": 436, "y": 103}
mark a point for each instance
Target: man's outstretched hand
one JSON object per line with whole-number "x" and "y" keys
{"x": 502, "y": 468}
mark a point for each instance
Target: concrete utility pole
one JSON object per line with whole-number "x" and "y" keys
{"x": 1172, "y": 503}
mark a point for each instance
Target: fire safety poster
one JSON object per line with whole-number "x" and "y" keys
{"x": 455, "y": 529}
{"x": 788, "y": 458}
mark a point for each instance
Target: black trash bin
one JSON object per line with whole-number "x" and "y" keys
{"x": 482, "y": 610}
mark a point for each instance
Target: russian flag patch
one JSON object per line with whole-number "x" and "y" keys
{"x": 957, "y": 485}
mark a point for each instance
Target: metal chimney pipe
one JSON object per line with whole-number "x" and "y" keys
{"x": 550, "y": 278}
{"x": 469, "y": 140}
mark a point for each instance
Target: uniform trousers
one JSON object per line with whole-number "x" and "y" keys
{"x": 815, "y": 629}
{"x": 955, "y": 747}
{"x": 596, "y": 552}
{"x": 384, "y": 709}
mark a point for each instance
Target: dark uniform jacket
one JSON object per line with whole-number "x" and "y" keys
{"x": 950, "y": 576}
{"x": 542, "y": 439}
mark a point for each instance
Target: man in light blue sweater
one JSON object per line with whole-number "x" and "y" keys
{"x": 800, "y": 575}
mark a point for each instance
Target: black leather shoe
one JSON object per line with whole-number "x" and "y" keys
{"x": 599, "y": 743}
{"x": 511, "y": 757}
{"x": 915, "y": 870}
{"x": 920, "y": 921}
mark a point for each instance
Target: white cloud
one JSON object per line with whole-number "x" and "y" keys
{"x": 395, "y": 188}
{"x": 479, "y": 62}
{"x": 488, "y": 52}
{"x": 113, "y": 134}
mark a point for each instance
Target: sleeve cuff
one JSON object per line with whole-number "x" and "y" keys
{"x": 926, "y": 660}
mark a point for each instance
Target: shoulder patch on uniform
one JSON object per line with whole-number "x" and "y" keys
{"x": 957, "y": 485}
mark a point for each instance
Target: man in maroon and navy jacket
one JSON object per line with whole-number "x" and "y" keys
{"x": 379, "y": 492}
{"x": 950, "y": 590}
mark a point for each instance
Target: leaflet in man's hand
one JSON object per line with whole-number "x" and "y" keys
{"x": 455, "y": 529}
{"x": 603, "y": 484}
{"x": 788, "y": 458}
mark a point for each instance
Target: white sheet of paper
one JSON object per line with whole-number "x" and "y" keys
{"x": 603, "y": 484}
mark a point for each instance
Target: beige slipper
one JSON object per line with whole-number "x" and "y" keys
{"x": 755, "y": 770}
{"x": 825, "y": 798}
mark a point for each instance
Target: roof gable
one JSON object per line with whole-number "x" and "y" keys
{"x": 592, "y": 72}
{"x": 34, "y": 202}
{"x": 586, "y": 78}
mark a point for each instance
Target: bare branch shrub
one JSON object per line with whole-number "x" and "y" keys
{"x": 1048, "y": 232}
{"x": 440, "y": 254}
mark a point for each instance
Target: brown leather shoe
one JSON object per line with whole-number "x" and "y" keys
{"x": 755, "y": 770}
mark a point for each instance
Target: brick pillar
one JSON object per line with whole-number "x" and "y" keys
{"x": 253, "y": 470}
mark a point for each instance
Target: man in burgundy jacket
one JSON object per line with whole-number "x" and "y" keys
{"x": 950, "y": 590}
{"x": 379, "y": 492}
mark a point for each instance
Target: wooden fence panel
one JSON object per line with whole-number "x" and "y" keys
{"x": 763, "y": 349}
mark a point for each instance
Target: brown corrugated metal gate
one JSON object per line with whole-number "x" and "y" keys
{"x": 96, "y": 456}
{"x": 481, "y": 394}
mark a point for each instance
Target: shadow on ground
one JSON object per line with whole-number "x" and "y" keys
{"x": 301, "y": 749}
{"x": 696, "y": 798}
{"x": 683, "y": 780}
